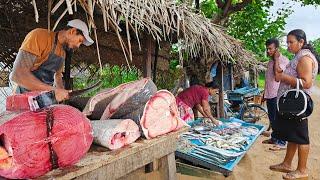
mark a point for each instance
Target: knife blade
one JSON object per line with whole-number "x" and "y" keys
{"x": 79, "y": 92}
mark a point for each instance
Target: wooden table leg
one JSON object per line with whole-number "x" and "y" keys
{"x": 167, "y": 167}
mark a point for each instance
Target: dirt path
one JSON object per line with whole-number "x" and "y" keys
{"x": 255, "y": 164}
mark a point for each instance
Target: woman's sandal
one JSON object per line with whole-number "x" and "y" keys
{"x": 295, "y": 175}
{"x": 281, "y": 168}
{"x": 277, "y": 148}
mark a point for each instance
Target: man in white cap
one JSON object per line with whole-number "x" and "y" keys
{"x": 40, "y": 60}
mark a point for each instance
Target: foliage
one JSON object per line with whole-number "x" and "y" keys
{"x": 309, "y": 2}
{"x": 209, "y": 8}
{"x": 254, "y": 25}
{"x": 111, "y": 76}
{"x": 167, "y": 79}
{"x": 286, "y": 53}
{"x": 261, "y": 80}
{"x": 316, "y": 45}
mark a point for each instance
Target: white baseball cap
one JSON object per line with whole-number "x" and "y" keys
{"x": 80, "y": 25}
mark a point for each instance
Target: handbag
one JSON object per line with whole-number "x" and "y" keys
{"x": 295, "y": 104}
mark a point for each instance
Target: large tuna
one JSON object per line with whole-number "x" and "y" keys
{"x": 33, "y": 143}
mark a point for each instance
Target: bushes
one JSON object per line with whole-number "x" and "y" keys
{"x": 111, "y": 76}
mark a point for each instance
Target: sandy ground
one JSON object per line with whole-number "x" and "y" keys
{"x": 255, "y": 164}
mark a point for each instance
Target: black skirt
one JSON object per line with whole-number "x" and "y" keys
{"x": 295, "y": 131}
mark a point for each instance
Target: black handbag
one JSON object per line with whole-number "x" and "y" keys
{"x": 295, "y": 104}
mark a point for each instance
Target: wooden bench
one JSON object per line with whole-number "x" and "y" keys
{"x": 127, "y": 163}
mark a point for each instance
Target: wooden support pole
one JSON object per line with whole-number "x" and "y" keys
{"x": 155, "y": 62}
{"x": 231, "y": 76}
{"x": 197, "y": 2}
{"x": 67, "y": 70}
{"x": 148, "y": 57}
{"x": 255, "y": 77}
{"x": 167, "y": 167}
{"x": 221, "y": 90}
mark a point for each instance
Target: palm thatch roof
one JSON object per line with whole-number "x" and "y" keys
{"x": 164, "y": 20}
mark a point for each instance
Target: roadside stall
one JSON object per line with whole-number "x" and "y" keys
{"x": 217, "y": 148}
{"x": 144, "y": 159}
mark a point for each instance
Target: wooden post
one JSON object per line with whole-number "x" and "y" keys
{"x": 67, "y": 69}
{"x": 148, "y": 57}
{"x": 156, "y": 53}
{"x": 221, "y": 89}
{"x": 167, "y": 167}
{"x": 231, "y": 76}
{"x": 255, "y": 77}
{"x": 197, "y": 2}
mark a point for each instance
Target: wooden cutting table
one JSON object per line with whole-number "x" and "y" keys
{"x": 132, "y": 162}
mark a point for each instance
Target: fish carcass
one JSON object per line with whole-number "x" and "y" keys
{"x": 33, "y": 143}
{"x": 115, "y": 133}
{"x": 130, "y": 100}
{"x": 122, "y": 102}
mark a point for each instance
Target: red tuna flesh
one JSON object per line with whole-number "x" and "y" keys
{"x": 24, "y": 138}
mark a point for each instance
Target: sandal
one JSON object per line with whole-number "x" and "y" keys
{"x": 281, "y": 168}
{"x": 268, "y": 141}
{"x": 295, "y": 175}
{"x": 277, "y": 148}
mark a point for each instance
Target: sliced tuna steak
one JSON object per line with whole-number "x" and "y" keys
{"x": 130, "y": 99}
{"x": 115, "y": 133}
{"x": 160, "y": 115}
{"x": 26, "y": 140}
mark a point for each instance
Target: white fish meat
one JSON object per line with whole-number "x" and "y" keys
{"x": 115, "y": 133}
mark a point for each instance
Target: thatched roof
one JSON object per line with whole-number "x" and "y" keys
{"x": 164, "y": 20}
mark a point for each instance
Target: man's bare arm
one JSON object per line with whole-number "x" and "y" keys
{"x": 58, "y": 78}
{"x": 22, "y": 75}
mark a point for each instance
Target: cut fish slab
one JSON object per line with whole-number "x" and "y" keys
{"x": 115, "y": 133}
{"x": 161, "y": 115}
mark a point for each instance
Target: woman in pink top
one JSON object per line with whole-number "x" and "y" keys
{"x": 305, "y": 67}
{"x": 196, "y": 96}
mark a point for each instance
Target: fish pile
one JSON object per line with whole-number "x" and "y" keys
{"x": 215, "y": 155}
{"x": 217, "y": 145}
{"x": 236, "y": 141}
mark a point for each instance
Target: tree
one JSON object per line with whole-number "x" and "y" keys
{"x": 223, "y": 9}
{"x": 316, "y": 45}
{"x": 253, "y": 25}
{"x": 249, "y": 20}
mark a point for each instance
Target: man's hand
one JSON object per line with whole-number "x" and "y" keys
{"x": 61, "y": 94}
{"x": 276, "y": 55}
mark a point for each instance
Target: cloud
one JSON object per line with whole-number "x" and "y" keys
{"x": 306, "y": 18}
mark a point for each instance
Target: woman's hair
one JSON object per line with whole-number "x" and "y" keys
{"x": 212, "y": 84}
{"x": 300, "y": 34}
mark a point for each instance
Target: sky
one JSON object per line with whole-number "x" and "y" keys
{"x": 306, "y": 18}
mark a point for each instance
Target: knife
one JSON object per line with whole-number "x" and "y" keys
{"x": 79, "y": 92}
{"x": 47, "y": 99}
